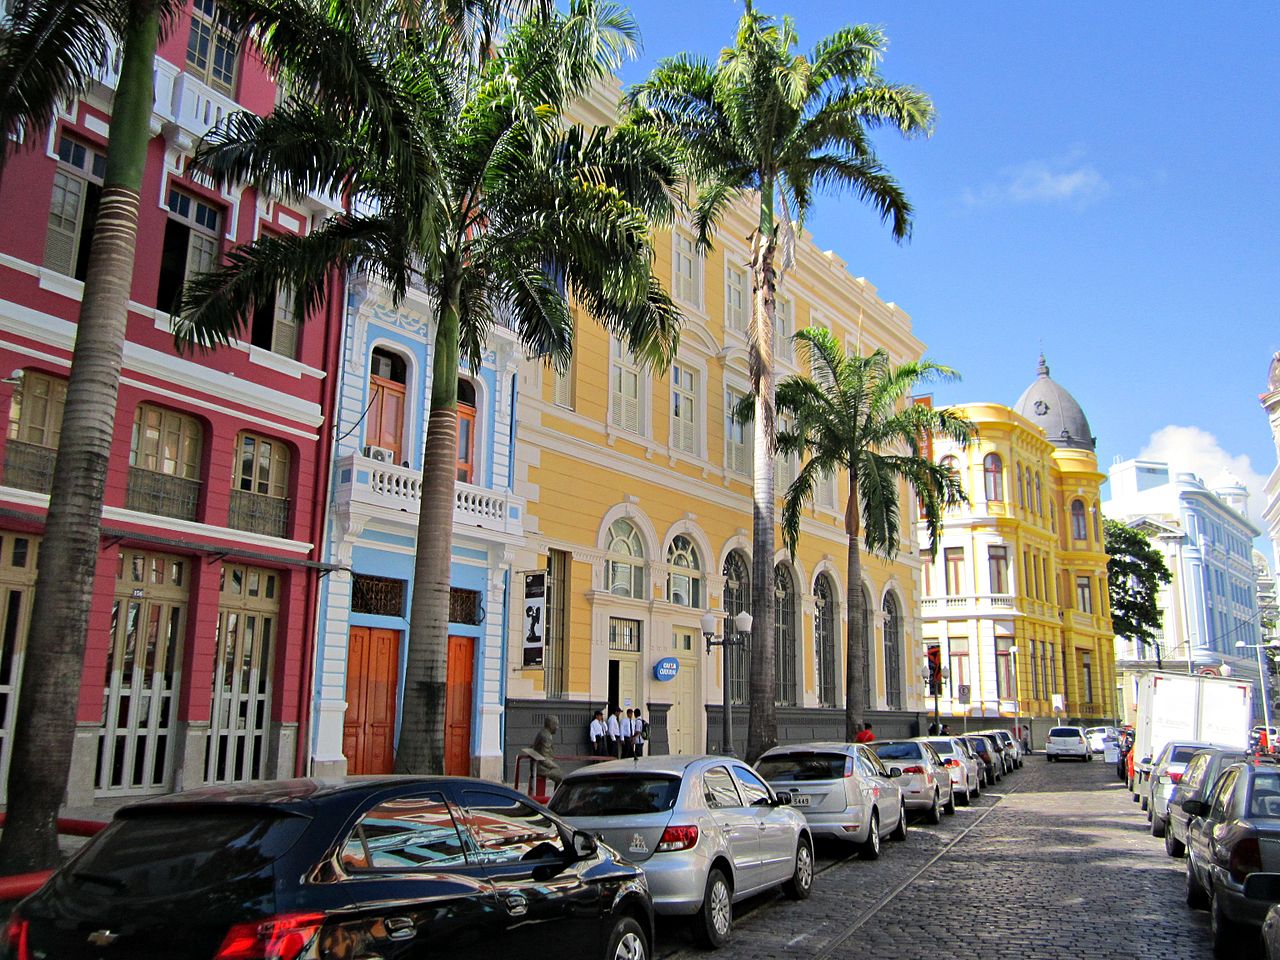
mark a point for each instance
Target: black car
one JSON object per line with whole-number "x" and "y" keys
{"x": 1194, "y": 783}
{"x": 385, "y": 868}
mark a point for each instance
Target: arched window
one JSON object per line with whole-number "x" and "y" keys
{"x": 737, "y": 598}
{"x": 1097, "y": 527}
{"x": 684, "y": 584}
{"x": 624, "y": 565}
{"x": 1022, "y": 495}
{"x": 1079, "y": 531}
{"x": 1039, "y": 497}
{"x": 993, "y": 476}
{"x": 870, "y": 612}
{"x": 824, "y": 639}
{"x": 388, "y": 378}
{"x": 784, "y": 635}
{"x": 892, "y": 653}
{"x": 466, "y": 430}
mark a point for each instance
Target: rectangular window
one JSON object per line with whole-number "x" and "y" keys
{"x": 784, "y": 467}
{"x": 556, "y": 635}
{"x": 212, "y": 47}
{"x": 625, "y": 391}
{"x": 1053, "y": 667}
{"x": 624, "y": 635}
{"x": 1035, "y": 670}
{"x": 1035, "y": 570}
{"x": 737, "y": 437}
{"x": 377, "y": 596}
{"x": 1026, "y": 572}
{"x": 1004, "y": 670}
{"x": 998, "y": 568}
{"x": 466, "y": 606}
{"x": 1048, "y": 582}
{"x": 275, "y": 325}
{"x": 73, "y": 208}
{"x": 1084, "y": 595}
{"x": 684, "y": 410}
{"x": 35, "y": 413}
{"x": 562, "y": 387}
{"x": 737, "y": 299}
{"x": 824, "y": 493}
{"x": 784, "y": 310}
{"x": 191, "y": 246}
{"x": 165, "y": 441}
{"x": 1086, "y": 670}
{"x": 958, "y": 648}
{"x": 686, "y": 269}
{"x": 954, "y": 560}
{"x": 262, "y": 466}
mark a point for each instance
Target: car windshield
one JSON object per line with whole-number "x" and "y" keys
{"x": 1064, "y": 732}
{"x": 978, "y": 745}
{"x": 898, "y": 751}
{"x": 612, "y": 795}
{"x": 943, "y": 747}
{"x": 1092, "y": 730}
{"x": 1264, "y": 800}
{"x": 1183, "y": 754}
{"x": 803, "y": 766}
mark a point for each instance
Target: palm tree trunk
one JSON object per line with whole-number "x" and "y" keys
{"x": 420, "y": 749}
{"x": 762, "y": 725}
{"x": 855, "y": 701}
{"x": 45, "y": 725}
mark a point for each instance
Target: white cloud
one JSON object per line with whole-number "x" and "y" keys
{"x": 1191, "y": 449}
{"x": 1068, "y": 179}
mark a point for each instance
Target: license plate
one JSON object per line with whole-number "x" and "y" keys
{"x": 800, "y": 799}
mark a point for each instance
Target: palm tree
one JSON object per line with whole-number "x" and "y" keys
{"x": 51, "y": 51}
{"x": 854, "y": 413}
{"x": 767, "y": 121}
{"x": 468, "y": 182}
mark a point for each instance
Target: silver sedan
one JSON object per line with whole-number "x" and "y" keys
{"x": 843, "y": 790}
{"x": 964, "y": 767}
{"x": 926, "y": 783}
{"x": 707, "y": 831}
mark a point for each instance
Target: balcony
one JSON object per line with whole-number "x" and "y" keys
{"x": 374, "y": 488}
{"x": 257, "y": 513}
{"x": 29, "y": 466}
{"x": 968, "y": 604}
{"x": 162, "y": 494}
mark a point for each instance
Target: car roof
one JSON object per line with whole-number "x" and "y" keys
{"x": 812, "y": 745}
{"x": 675, "y": 765}
{"x": 297, "y": 792}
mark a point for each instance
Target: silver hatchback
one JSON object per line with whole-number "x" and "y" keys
{"x": 707, "y": 831}
{"x": 843, "y": 790}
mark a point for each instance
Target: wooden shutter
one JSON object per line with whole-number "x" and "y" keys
{"x": 284, "y": 329}
{"x": 562, "y": 388}
{"x": 66, "y": 214}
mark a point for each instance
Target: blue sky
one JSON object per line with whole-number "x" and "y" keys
{"x": 1102, "y": 184}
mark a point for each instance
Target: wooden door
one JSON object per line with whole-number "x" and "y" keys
{"x": 386, "y": 416}
{"x": 684, "y": 727}
{"x": 459, "y": 686}
{"x": 369, "y": 729}
{"x": 466, "y": 442}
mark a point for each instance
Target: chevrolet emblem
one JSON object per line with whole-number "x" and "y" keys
{"x": 103, "y": 938}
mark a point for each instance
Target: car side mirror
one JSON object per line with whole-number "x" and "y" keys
{"x": 782, "y": 798}
{"x": 1195, "y": 808}
{"x": 584, "y": 845}
{"x": 895, "y": 772}
{"x": 1145, "y": 761}
{"x": 1263, "y": 886}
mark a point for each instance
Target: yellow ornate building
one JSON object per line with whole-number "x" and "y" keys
{"x": 639, "y": 510}
{"x": 1016, "y": 599}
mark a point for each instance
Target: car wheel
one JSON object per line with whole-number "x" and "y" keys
{"x": 801, "y": 883}
{"x": 1158, "y": 827}
{"x": 1226, "y": 934}
{"x": 900, "y": 831}
{"x": 965, "y": 798}
{"x": 870, "y": 848}
{"x": 713, "y": 924}
{"x": 1197, "y": 899}
{"x": 627, "y": 942}
{"x": 935, "y": 811}
{"x": 949, "y": 808}
{"x": 1172, "y": 845}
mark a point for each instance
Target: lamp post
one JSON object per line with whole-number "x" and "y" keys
{"x": 741, "y": 635}
{"x": 934, "y": 681}
{"x": 1262, "y": 676}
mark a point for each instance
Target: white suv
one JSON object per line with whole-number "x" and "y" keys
{"x": 1066, "y": 742}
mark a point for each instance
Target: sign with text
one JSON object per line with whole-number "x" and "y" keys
{"x": 535, "y": 610}
{"x": 666, "y": 668}
{"x": 963, "y": 692}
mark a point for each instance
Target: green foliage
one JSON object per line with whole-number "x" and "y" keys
{"x": 1135, "y": 571}
{"x": 852, "y": 412}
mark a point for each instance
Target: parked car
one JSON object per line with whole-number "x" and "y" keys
{"x": 1066, "y": 742}
{"x": 1012, "y": 747}
{"x": 962, "y": 765}
{"x": 708, "y": 831}
{"x": 992, "y": 767}
{"x": 926, "y": 783}
{"x": 1006, "y": 762}
{"x": 1255, "y": 738}
{"x": 362, "y": 867}
{"x": 1098, "y": 737}
{"x": 1265, "y": 887}
{"x": 1197, "y": 780}
{"x": 1166, "y": 773}
{"x": 1233, "y": 833}
{"x": 1122, "y": 758}
{"x": 843, "y": 789}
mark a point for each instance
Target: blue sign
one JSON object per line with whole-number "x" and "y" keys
{"x": 666, "y": 668}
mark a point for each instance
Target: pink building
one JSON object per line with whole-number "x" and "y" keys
{"x": 200, "y": 644}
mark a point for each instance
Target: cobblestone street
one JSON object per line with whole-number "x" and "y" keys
{"x": 1054, "y": 863}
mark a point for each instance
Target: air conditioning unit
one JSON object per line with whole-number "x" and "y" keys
{"x": 381, "y": 454}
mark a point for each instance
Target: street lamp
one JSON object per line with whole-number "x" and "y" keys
{"x": 1262, "y": 677}
{"x": 741, "y": 635}
{"x": 934, "y": 681}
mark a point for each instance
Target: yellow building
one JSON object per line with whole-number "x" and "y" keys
{"x": 1015, "y": 601}
{"x": 638, "y": 492}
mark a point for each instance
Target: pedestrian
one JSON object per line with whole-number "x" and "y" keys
{"x": 614, "y": 732}
{"x": 641, "y": 735}
{"x": 933, "y": 729}
{"x": 628, "y": 733}
{"x": 598, "y": 734}
{"x": 864, "y": 735}
{"x": 946, "y": 729}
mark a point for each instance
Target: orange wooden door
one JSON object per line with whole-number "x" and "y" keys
{"x": 386, "y": 416}
{"x": 369, "y": 729}
{"x": 459, "y": 684}
{"x": 466, "y": 442}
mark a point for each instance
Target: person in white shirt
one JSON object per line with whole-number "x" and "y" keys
{"x": 628, "y": 735}
{"x": 614, "y": 729}
{"x": 597, "y": 734}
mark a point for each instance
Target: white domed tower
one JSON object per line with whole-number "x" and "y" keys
{"x": 1231, "y": 491}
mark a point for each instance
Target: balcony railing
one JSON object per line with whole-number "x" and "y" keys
{"x": 161, "y": 494}
{"x": 29, "y": 466}
{"x": 934, "y": 606}
{"x": 258, "y": 513}
{"x": 398, "y": 490}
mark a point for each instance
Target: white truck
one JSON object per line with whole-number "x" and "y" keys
{"x": 1177, "y": 706}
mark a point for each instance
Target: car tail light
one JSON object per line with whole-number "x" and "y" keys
{"x": 677, "y": 838}
{"x": 952, "y": 762}
{"x": 275, "y": 938}
{"x": 1175, "y": 777}
{"x": 848, "y": 767}
{"x": 1246, "y": 858}
{"x": 15, "y": 937}
{"x": 908, "y": 771}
